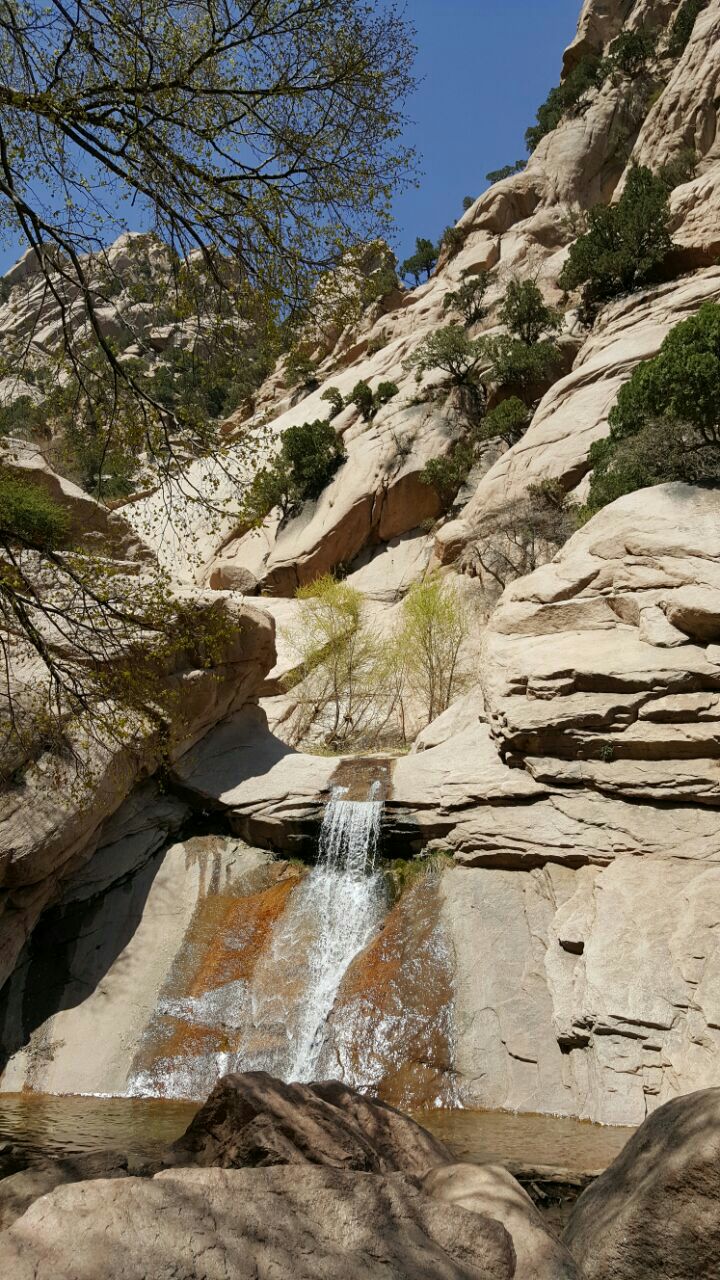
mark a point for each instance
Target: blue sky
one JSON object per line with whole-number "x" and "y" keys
{"x": 486, "y": 65}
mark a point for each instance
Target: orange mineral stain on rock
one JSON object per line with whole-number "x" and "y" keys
{"x": 228, "y": 933}
{"x": 392, "y": 1024}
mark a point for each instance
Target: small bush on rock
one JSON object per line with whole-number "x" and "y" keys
{"x": 334, "y": 399}
{"x": 507, "y": 171}
{"x": 665, "y": 424}
{"x": 29, "y": 516}
{"x": 448, "y": 474}
{"x": 308, "y": 457}
{"x": 625, "y": 244}
{"x": 525, "y": 313}
{"x": 684, "y": 25}
{"x": 450, "y": 350}
{"x": 422, "y": 261}
{"x": 509, "y": 421}
{"x": 369, "y": 401}
{"x": 468, "y": 298}
{"x": 569, "y": 96}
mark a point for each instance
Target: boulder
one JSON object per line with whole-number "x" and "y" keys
{"x": 490, "y": 1190}
{"x": 296, "y": 1223}
{"x": 655, "y": 1213}
{"x": 251, "y": 1120}
{"x": 21, "y": 1189}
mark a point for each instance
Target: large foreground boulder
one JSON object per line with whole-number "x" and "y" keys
{"x": 655, "y": 1213}
{"x": 493, "y": 1192}
{"x": 254, "y": 1120}
{"x": 302, "y": 1223}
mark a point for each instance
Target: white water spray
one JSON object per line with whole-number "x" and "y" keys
{"x": 279, "y": 1020}
{"x": 332, "y": 917}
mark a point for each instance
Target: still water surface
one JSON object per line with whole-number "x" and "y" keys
{"x": 139, "y": 1126}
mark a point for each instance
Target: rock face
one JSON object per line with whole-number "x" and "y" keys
{"x": 252, "y": 1120}
{"x": 574, "y": 412}
{"x": 53, "y": 816}
{"x": 653, "y": 1214}
{"x": 207, "y": 1224}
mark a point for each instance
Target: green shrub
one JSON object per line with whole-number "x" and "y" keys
{"x": 569, "y": 96}
{"x": 625, "y": 245}
{"x": 468, "y": 202}
{"x": 507, "y": 171}
{"x": 665, "y": 424}
{"x": 508, "y": 421}
{"x": 453, "y": 239}
{"x": 307, "y": 459}
{"x": 468, "y": 298}
{"x": 362, "y": 397}
{"x": 525, "y": 313}
{"x": 24, "y": 418}
{"x": 512, "y": 363}
{"x": 335, "y": 400}
{"x": 684, "y": 25}
{"x": 300, "y": 371}
{"x": 29, "y": 515}
{"x": 448, "y": 474}
{"x": 450, "y": 350}
{"x": 384, "y": 392}
{"x": 422, "y": 261}
{"x": 680, "y": 169}
{"x": 632, "y": 50}
{"x": 369, "y": 401}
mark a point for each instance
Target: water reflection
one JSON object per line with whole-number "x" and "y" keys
{"x": 560, "y": 1143}
{"x": 140, "y": 1126}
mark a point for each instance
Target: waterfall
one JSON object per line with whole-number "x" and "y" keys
{"x": 333, "y": 915}
{"x": 277, "y": 1021}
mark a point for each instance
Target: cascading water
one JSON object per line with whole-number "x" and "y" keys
{"x": 333, "y": 916}
{"x": 277, "y": 1021}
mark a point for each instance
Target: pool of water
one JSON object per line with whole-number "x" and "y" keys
{"x": 559, "y": 1143}
{"x": 73, "y": 1125}
{"x": 140, "y": 1126}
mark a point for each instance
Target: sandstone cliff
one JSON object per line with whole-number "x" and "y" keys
{"x": 576, "y": 782}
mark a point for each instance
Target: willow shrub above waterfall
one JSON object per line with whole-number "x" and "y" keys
{"x": 355, "y": 684}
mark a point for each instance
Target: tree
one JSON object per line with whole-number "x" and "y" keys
{"x": 306, "y": 461}
{"x": 525, "y": 313}
{"x": 569, "y": 96}
{"x": 684, "y": 25}
{"x": 422, "y": 261}
{"x": 625, "y": 245}
{"x": 300, "y": 371}
{"x": 630, "y": 52}
{"x": 507, "y": 171}
{"x": 512, "y": 363}
{"x": 335, "y": 400}
{"x": 468, "y": 202}
{"x": 508, "y": 421}
{"x": 369, "y": 402}
{"x": 447, "y": 475}
{"x": 525, "y": 535}
{"x": 450, "y": 350}
{"x": 468, "y": 298}
{"x": 338, "y": 680}
{"x": 665, "y": 424}
{"x": 435, "y": 626}
{"x": 258, "y": 138}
